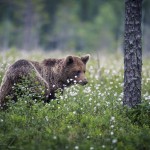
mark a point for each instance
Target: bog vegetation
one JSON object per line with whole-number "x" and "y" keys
{"x": 84, "y": 118}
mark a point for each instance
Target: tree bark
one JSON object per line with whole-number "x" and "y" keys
{"x": 132, "y": 53}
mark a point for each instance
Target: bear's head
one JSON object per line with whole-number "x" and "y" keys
{"x": 74, "y": 70}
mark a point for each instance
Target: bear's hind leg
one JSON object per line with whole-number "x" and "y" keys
{"x": 5, "y": 89}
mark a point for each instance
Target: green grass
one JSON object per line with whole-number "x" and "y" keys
{"x": 85, "y": 118}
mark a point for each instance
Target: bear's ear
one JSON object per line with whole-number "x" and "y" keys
{"x": 69, "y": 60}
{"x": 85, "y": 58}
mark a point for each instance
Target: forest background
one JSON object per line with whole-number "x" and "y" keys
{"x": 91, "y": 25}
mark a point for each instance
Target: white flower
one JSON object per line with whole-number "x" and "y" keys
{"x": 73, "y": 93}
{"x": 111, "y": 133}
{"x": 88, "y": 137}
{"x": 112, "y": 118}
{"x": 46, "y": 117}
{"x": 114, "y": 141}
{"x": 74, "y": 112}
{"x": 112, "y": 126}
{"x": 91, "y": 148}
{"x": 75, "y": 81}
{"x": 54, "y": 137}
{"x": 98, "y": 104}
{"x": 76, "y": 147}
{"x": 115, "y": 94}
{"x": 90, "y": 99}
{"x": 87, "y": 90}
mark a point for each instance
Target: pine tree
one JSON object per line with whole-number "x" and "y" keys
{"x": 132, "y": 53}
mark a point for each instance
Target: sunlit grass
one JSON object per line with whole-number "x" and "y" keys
{"x": 89, "y": 118}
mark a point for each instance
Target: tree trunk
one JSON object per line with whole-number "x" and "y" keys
{"x": 31, "y": 26}
{"x": 132, "y": 53}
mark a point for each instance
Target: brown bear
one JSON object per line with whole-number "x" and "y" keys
{"x": 52, "y": 74}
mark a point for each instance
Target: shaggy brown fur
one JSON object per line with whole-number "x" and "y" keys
{"x": 53, "y": 74}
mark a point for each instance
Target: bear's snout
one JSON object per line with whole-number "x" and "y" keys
{"x": 84, "y": 82}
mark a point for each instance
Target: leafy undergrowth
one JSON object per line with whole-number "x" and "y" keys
{"x": 84, "y": 118}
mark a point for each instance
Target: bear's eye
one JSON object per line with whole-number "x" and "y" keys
{"x": 78, "y": 72}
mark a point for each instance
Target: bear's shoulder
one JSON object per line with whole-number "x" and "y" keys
{"x": 52, "y": 62}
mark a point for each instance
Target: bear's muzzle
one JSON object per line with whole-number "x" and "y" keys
{"x": 83, "y": 82}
